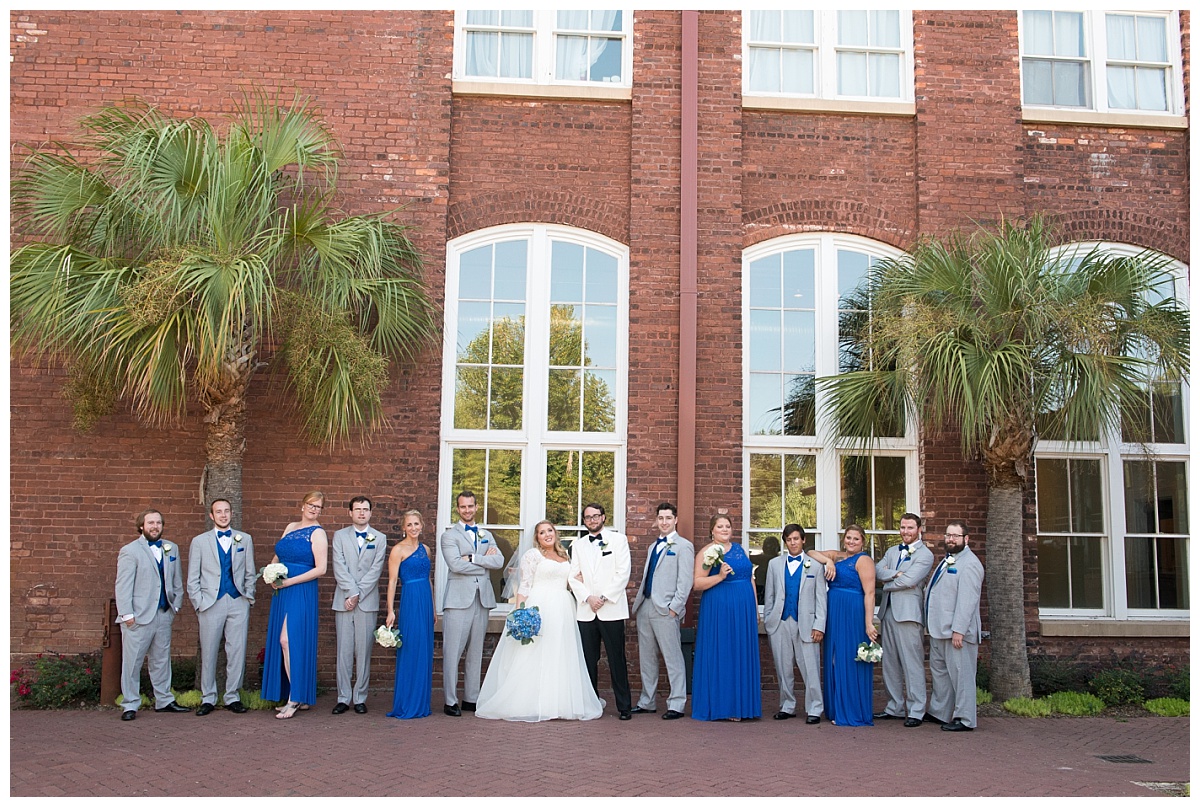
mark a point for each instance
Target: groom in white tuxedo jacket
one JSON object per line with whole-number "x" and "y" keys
{"x": 149, "y": 593}
{"x": 599, "y": 573}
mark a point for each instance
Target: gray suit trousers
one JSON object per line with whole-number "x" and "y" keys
{"x": 787, "y": 648}
{"x": 953, "y": 674}
{"x": 232, "y": 618}
{"x": 463, "y": 630}
{"x": 658, "y": 633}
{"x": 355, "y": 633}
{"x": 903, "y": 666}
{"x": 152, "y": 640}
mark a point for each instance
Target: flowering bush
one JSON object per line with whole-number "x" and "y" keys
{"x": 55, "y": 681}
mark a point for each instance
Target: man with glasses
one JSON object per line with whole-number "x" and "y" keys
{"x": 358, "y": 553}
{"x": 220, "y": 584}
{"x": 599, "y": 573}
{"x": 952, "y": 619}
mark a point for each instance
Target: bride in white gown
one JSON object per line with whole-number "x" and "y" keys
{"x": 547, "y": 679}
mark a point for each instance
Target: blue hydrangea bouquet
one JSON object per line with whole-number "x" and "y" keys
{"x": 524, "y": 624}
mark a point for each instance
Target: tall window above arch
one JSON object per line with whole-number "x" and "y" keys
{"x": 534, "y": 401}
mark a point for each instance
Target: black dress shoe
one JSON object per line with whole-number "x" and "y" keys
{"x": 205, "y": 708}
{"x": 957, "y": 725}
{"x": 131, "y": 714}
{"x": 912, "y": 722}
{"x": 452, "y": 710}
{"x": 360, "y": 708}
{"x": 783, "y": 715}
{"x": 637, "y": 710}
{"x": 626, "y": 715}
{"x": 340, "y": 708}
{"x": 173, "y": 707}
{"x": 237, "y": 707}
{"x": 935, "y": 720}
{"x": 467, "y": 706}
{"x": 671, "y": 714}
{"x": 812, "y": 720}
{"x": 885, "y": 716}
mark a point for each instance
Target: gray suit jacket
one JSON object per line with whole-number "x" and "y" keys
{"x": 903, "y": 582}
{"x": 465, "y": 579}
{"x": 954, "y": 601}
{"x": 357, "y": 573}
{"x": 204, "y": 568}
{"x": 138, "y": 584}
{"x": 673, "y": 577}
{"x": 813, "y": 591}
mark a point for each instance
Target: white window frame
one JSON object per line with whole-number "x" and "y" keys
{"x": 1113, "y": 452}
{"x": 822, "y": 444}
{"x": 826, "y": 96}
{"x": 1096, "y": 59}
{"x": 543, "y": 81}
{"x": 533, "y": 439}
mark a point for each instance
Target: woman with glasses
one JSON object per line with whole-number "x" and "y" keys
{"x": 290, "y": 660}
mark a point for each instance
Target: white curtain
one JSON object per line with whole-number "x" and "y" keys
{"x": 574, "y": 58}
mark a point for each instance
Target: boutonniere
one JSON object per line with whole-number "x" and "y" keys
{"x": 807, "y": 563}
{"x": 237, "y": 537}
{"x": 604, "y": 548}
{"x": 951, "y": 560}
{"x": 166, "y": 548}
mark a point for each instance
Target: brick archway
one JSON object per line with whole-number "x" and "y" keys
{"x": 856, "y": 218}
{"x": 1124, "y": 227}
{"x": 544, "y": 207}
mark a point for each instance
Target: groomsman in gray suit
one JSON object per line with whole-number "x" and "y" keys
{"x": 149, "y": 593}
{"x": 659, "y": 608}
{"x": 794, "y": 615}
{"x": 470, "y": 553}
{"x": 220, "y": 584}
{"x": 358, "y": 553}
{"x": 952, "y": 618}
{"x": 903, "y": 572}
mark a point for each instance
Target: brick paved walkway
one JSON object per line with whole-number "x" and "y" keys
{"x": 88, "y": 753}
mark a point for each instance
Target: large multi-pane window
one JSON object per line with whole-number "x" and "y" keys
{"x": 803, "y": 295}
{"x": 534, "y": 406}
{"x": 544, "y": 46}
{"x": 1112, "y": 511}
{"x": 853, "y": 55}
{"x": 1103, "y": 61}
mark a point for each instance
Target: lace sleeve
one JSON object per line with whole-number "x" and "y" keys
{"x": 529, "y": 562}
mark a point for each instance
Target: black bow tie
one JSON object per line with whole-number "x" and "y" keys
{"x": 594, "y": 538}
{"x": 157, "y": 543}
{"x": 362, "y": 535}
{"x": 224, "y": 533}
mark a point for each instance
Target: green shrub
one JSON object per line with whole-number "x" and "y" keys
{"x": 189, "y": 699}
{"x": 183, "y": 675}
{"x": 982, "y": 696}
{"x": 983, "y": 675}
{"x": 252, "y": 699}
{"x": 1075, "y": 703}
{"x": 1169, "y": 707}
{"x": 1117, "y": 686}
{"x": 1027, "y": 707}
{"x": 1179, "y": 682}
{"x": 1048, "y": 675}
{"x": 146, "y": 702}
{"x": 56, "y": 681}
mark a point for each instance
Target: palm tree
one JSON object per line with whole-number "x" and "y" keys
{"x": 995, "y": 336}
{"x": 168, "y": 265}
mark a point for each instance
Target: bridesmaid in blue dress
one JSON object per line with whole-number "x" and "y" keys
{"x": 290, "y": 660}
{"x": 408, "y": 565}
{"x": 848, "y": 623}
{"x": 726, "y": 675}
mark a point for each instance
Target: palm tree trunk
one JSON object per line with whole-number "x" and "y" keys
{"x": 1006, "y": 592}
{"x": 224, "y": 446}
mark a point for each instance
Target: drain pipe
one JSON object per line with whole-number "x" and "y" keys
{"x": 687, "y": 274}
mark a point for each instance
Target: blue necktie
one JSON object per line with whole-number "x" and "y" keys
{"x": 162, "y": 578}
{"x": 654, "y": 553}
{"x": 474, "y": 529}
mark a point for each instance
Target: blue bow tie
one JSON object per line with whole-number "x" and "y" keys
{"x": 661, "y": 540}
{"x": 157, "y": 543}
{"x": 795, "y": 557}
{"x": 224, "y": 533}
{"x": 472, "y": 528}
{"x": 362, "y": 535}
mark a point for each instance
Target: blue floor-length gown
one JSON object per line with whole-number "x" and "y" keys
{"x": 298, "y": 604}
{"x": 414, "y": 656}
{"x": 726, "y": 674}
{"x": 848, "y": 688}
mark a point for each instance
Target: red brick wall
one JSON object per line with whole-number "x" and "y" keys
{"x": 459, "y": 163}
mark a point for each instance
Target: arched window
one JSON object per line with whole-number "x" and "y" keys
{"x": 534, "y": 379}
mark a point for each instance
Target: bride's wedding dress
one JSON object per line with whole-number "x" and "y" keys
{"x": 547, "y": 679}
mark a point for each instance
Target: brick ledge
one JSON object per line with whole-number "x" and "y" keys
{"x": 1112, "y": 627}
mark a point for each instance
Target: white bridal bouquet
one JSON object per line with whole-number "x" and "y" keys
{"x": 274, "y": 571}
{"x": 387, "y": 637}
{"x": 714, "y": 556}
{"x": 870, "y": 652}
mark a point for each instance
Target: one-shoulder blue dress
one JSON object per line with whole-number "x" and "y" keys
{"x": 726, "y": 673}
{"x": 297, "y": 604}
{"x": 847, "y": 680}
{"x": 414, "y": 656}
